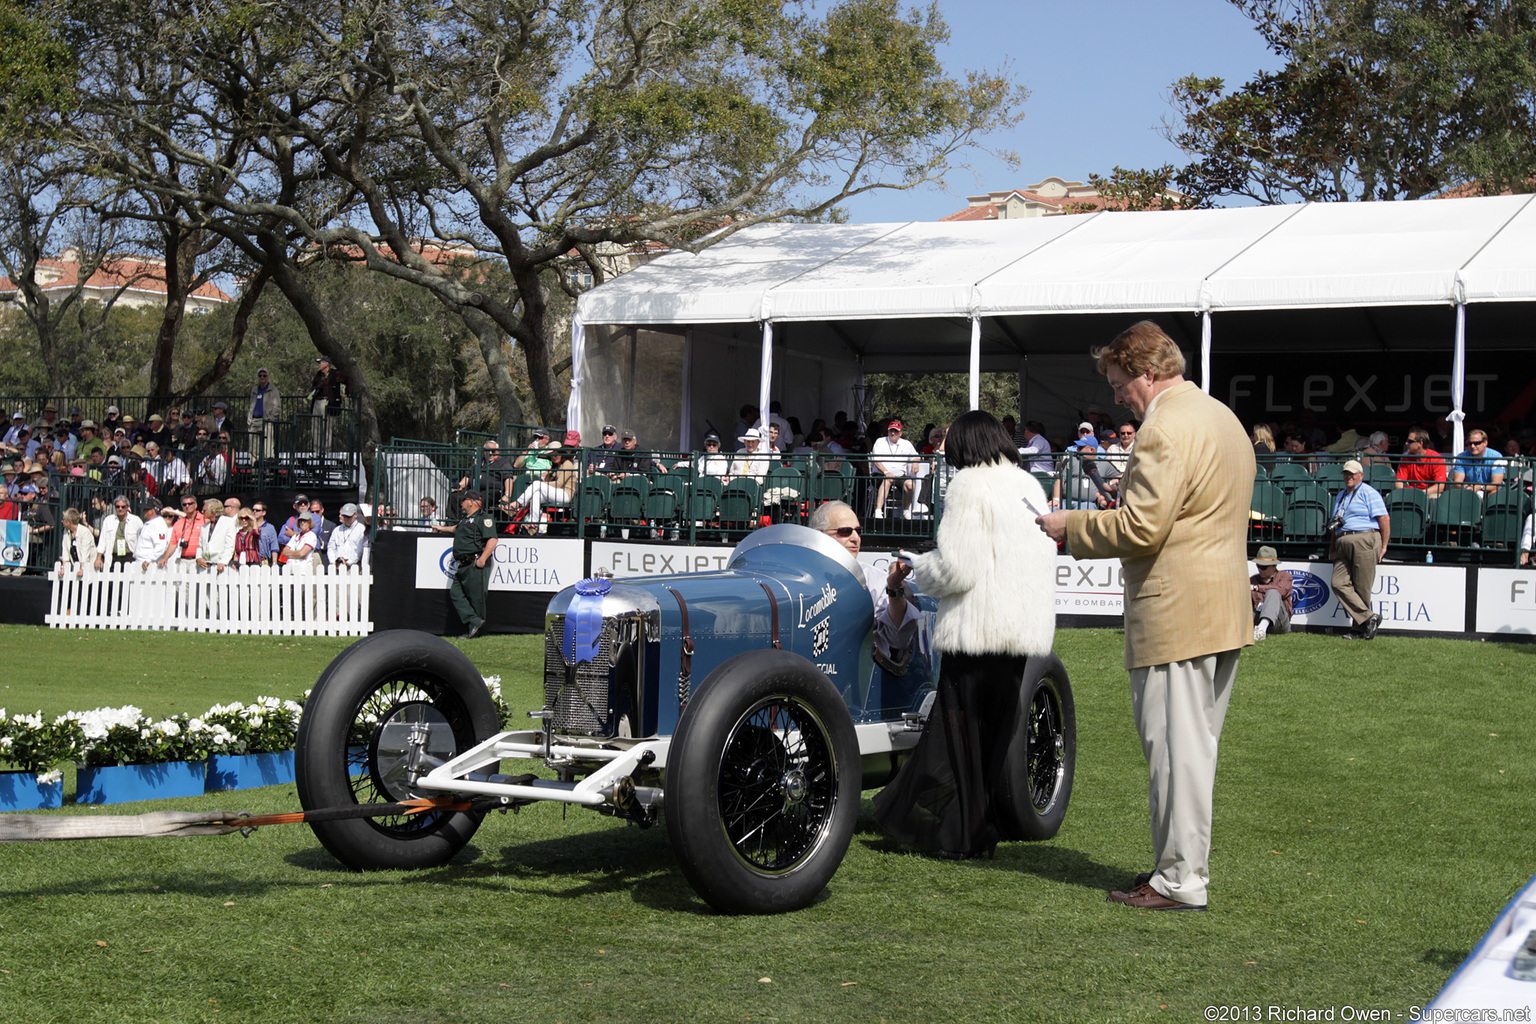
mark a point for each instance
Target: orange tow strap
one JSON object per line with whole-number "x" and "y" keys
{"x": 403, "y": 807}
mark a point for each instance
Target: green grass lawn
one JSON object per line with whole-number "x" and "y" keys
{"x": 1372, "y": 818}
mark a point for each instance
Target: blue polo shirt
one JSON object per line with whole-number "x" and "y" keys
{"x": 1360, "y": 508}
{"x": 1479, "y": 469}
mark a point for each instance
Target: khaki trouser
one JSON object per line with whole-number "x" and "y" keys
{"x": 1179, "y": 710}
{"x": 1354, "y": 571}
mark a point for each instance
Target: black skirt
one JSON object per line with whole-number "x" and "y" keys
{"x": 941, "y": 800}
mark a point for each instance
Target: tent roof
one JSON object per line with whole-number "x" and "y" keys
{"x": 1316, "y": 255}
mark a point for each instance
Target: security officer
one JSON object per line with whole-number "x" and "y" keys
{"x": 473, "y": 541}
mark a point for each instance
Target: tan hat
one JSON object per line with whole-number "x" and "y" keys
{"x": 1353, "y": 466}
{"x": 1266, "y": 556}
{"x": 155, "y": 417}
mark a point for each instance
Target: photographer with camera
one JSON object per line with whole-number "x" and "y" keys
{"x": 1357, "y": 542}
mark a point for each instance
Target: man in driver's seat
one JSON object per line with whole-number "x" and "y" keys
{"x": 896, "y": 613}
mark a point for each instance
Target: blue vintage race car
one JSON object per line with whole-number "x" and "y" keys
{"x": 745, "y": 704}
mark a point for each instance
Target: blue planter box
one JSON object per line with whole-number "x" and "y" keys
{"x": 20, "y": 791}
{"x": 127, "y": 783}
{"x": 248, "y": 771}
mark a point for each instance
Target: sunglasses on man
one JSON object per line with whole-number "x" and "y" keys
{"x": 844, "y": 531}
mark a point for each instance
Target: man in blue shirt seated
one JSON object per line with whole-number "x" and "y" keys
{"x": 1355, "y": 546}
{"x": 1479, "y": 468}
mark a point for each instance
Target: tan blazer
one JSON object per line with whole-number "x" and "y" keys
{"x": 1181, "y": 531}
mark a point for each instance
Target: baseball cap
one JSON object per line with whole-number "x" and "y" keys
{"x": 573, "y": 437}
{"x": 1353, "y": 466}
{"x": 894, "y": 425}
{"x": 609, "y": 428}
{"x": 349, "y": 509}
{"x": 628, "y": 435}
{"x": 111, "y": 410}
{"x": 711, "y": 437}
{"x": 87, "y": 424}
{"x": 155, "y": 417}
{"x": 540, "y": 431}
{"x": 1085, "y": 425}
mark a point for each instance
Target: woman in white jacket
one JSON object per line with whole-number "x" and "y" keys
{"x": 994, "y": 577}
{"x": 79, "y": 544}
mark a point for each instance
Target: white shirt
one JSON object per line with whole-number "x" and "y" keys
{"x": 153, "y": 540}
{"x": 881, "y": 452}
{"x": 752, "y": 465}
{"x": 346, "y": 543}
{"x": 296, "y": 564}
{"x": 217, "y": 546}
{"x": 131, "y": 528}
{"x": 714, "y": 465}
{"x": 889, "y": 636}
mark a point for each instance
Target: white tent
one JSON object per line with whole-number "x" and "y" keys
{"x": 849, "y": 299}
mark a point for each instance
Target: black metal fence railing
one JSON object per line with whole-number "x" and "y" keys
{"x": 1434, "y": 517}
{"x": 687, "y": 497}
{"x": 699, "y": 498}
{"x": 301, "y": 449}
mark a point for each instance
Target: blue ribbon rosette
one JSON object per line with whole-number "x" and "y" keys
{"x": 584, "y": 621}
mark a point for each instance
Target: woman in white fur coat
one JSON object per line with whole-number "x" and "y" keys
{"x": 995, "y": 581}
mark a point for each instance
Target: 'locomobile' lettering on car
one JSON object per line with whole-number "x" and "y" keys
{"x": 827, "y": 599}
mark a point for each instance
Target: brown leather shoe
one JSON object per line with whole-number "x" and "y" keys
{"x": 1144, "y": 897}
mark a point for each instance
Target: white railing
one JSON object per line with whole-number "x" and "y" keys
{"x": 256, "y": 599}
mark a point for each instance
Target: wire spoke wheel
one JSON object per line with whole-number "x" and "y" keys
{"x": 777, "y": 786}
{"x": 388, "y": 710}
{"x": 762, "y": 784}
{"x": 379, "y": 744}
{"x": 1046, "y": 757}
{"x": 1031, "y": 797}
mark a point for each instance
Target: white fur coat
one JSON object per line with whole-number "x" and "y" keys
{"x": 994, "y": 570}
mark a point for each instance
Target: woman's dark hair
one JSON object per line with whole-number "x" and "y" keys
{"x": 977, "y": 439}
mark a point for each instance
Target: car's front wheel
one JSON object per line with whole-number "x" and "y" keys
{"x": 762, "y": 785}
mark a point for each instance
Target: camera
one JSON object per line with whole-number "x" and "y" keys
{"x": 1334, "y": 524}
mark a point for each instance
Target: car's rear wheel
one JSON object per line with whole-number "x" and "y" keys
{"x": 1032, "y": 796}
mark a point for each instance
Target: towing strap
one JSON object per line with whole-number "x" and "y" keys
{"x": 37, "y": 828}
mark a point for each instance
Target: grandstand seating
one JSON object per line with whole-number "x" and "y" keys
{"x": 1408, "y": 509}
{"x": 1454, "y": 518}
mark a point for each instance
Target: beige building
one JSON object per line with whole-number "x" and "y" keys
{"x": 1046, "y": 198}
{"x": 135, "y": 280}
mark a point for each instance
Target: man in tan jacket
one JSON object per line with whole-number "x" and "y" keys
{"x": 1181, "y": 531}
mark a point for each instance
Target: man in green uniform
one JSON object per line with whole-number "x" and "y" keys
{"x": 473, "y": 541}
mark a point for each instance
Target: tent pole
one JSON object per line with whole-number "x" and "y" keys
{"x": 1023, "y": 387}
{"x": 578, "y": 354}
{"x": 683, "y": 439}
{"x": 975, "y": 361}
{"x": 765, "y": 382}
{"x": 1205, "y": 351}
{"x": 1459, "y": 376}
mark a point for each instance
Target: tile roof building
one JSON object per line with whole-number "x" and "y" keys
{"x": 1046, "y": 198}
{"x": 141, "y": 280}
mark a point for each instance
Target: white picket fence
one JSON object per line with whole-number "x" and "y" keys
{"x": 334, "y": 601}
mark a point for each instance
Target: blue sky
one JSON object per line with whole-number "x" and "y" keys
{"x": 1098, "y": 76}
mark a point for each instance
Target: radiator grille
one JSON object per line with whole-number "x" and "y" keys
{"x": 586, "y": 707}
